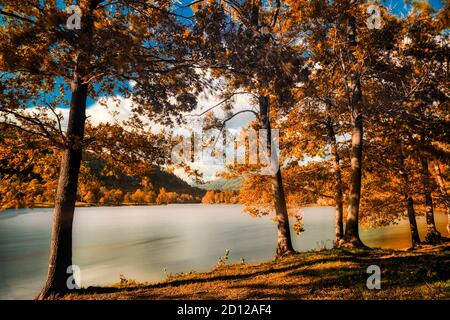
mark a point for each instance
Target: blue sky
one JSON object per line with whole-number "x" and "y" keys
{"x": 399, "y": 8}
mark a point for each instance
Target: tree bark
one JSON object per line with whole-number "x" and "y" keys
{"x": 284, "y": 246}
{"x": 432, "y": 234}
{"x": 442, "y": 187}
{"x": 415, "y": 239}
{"x": 61, "y": 239}
{"x": 351, "y": 237}
{"x": 409, "y": 201}
{"x": 338, "y": 193}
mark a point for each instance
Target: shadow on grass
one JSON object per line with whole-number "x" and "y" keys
{"x": 398, "y": 270}
{"x": 286, "y": 265}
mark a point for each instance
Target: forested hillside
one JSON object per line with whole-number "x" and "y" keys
{"x": 29, "y": 177}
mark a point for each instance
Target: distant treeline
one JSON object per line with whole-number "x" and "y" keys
{"x": 119, "y": 197}
{"x": 29, "y": 177}
{"x": 218, "y": 196}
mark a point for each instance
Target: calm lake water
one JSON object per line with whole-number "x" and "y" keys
{"x": 142, "y": 242}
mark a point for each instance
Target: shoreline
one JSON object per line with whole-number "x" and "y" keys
{"x": 97, "y": 205}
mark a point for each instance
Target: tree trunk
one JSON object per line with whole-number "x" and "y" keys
{"x": 60, "y": 258}
{"x": 415, "y": 239}
{"x": 284, "y": 246}
{"x": 351, "y": 237}
{"x": 409, "y": 201}
{"x": 338, "y": 193}
{"x": 61, "y": 240}
{"x": 432, "y": 234}
{"x": 442, "y": 187}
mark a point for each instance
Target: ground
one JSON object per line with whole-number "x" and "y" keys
{"x": 423, "y": 273}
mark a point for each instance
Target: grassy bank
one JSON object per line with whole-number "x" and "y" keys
{"x": 332, "y": 274}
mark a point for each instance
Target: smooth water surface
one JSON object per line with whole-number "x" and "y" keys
{"x": 144, "y": 243}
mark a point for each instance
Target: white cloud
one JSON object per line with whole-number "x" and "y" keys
{"x": 117, "y": 109}
{"x": 110, "y": 110}
{"x": 208, "y": 165}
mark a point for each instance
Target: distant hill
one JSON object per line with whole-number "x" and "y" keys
{"x": 172, "y": 183}
{"x": 130, "y": 183}
{"x": 222, "y": 184}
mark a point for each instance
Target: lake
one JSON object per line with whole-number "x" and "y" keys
{"x": 148, "y": 242}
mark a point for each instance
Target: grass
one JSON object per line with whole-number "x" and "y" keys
{"x": 423, "y": 273}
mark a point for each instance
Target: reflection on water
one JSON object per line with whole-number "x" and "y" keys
{"x": 140, "y": 242}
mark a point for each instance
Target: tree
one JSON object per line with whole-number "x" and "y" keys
{"x": 90, "y": 197}
{"x": 341, "y": 54}
{"x": 208, "y": 198}
{"x": 316, "y": 135}
{"x": 440, "y": 179}
{"x": 131, "y": 47}
{"x": 112, "y": 197}
{"x": 25, "y": 162}
{"x": 163, "y": 197}
{"x": 423, "y": 97}
{"x": 406, "y": 120}
{"x": 243, "y": 50}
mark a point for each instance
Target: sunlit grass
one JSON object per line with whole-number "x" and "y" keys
{"x": 326, "y": 274}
